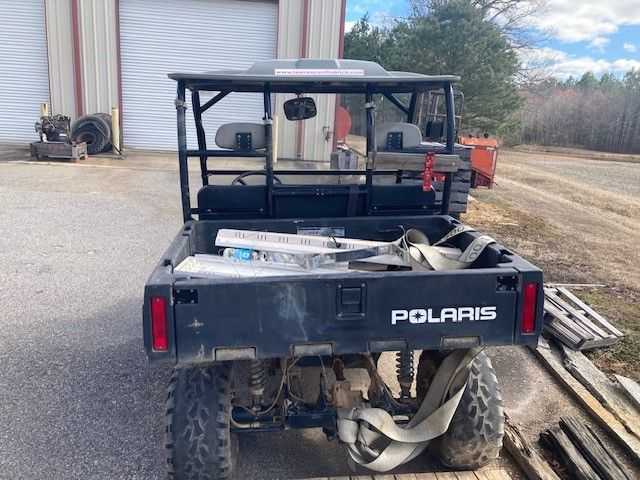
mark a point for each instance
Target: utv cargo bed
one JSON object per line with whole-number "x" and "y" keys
{"x": 327, "y": 314}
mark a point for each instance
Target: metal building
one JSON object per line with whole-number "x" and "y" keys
{"x": 87, "y": 56}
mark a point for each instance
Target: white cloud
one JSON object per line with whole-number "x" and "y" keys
{"x": 599, "y": 43}
{"x": 587, "y": 20}
{"x": 630, "y": 47}
{"x": 562, "y": 65}
{"x": 348, "y": 25}
{"x": 541, "y": 57}
{"x": 625, "y": 64}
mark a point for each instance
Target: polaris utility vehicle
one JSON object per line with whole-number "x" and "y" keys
{"x": 263, "y": 352}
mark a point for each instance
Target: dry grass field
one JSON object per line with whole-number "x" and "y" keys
{"x": 579, "y": 219}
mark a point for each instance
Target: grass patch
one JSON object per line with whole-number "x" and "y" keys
{"x": 621, "y": 306}
{"x": 532, "y": 238}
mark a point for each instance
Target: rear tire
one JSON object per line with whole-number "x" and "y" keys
{"x": 474, "y": 437}
{"x": 198, "y": 438}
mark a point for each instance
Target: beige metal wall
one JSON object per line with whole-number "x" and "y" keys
{"x": 60, "y": 51}
{"x": 98, "y": 45}
{"x": 323, "y": 41}
{"x": 290, "y": 31}
{"x": 310, "y": 29}
{"x": 99, "y": 53}
{"x": 290, "y": 27}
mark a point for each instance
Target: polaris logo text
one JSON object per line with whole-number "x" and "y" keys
{"x": 447, "y": 314}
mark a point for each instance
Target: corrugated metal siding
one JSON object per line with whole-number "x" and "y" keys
{"x": 59, "y": 42}
{"x": 98, "y": 47}
{"x": 318, "y": 131}
{"x": 324, "y": 28}
{"x": 24, "y": 76}
{"x": 290, "y": 28}
{"x": 324, "y": 19}
{"x": 290, "y": 25}
{"x": 162, "y": 36}
{"x": 323, "y": 42}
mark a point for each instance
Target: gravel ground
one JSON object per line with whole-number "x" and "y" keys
{"x": 77, "y": 397}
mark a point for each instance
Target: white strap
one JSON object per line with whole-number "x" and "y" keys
{"x": 424, "y": 256}
{"x": 362, "y": 428}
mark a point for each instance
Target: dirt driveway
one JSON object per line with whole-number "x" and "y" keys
{"x": 579, "y": 219}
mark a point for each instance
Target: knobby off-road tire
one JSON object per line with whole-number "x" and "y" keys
{"x": 474, "y": 437}
{"x": 198, "y": 441}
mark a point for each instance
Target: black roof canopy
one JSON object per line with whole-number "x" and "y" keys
{"x": 313, "y": 76}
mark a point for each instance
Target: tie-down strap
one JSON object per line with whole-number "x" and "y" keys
{"x": 363, "y": 429}
{"x": 424, "y": 256}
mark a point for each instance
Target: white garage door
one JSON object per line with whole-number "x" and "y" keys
{"x": 163, "y": 36}
{"x": 24, "y": 75}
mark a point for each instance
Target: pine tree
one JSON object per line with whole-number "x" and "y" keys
{"x": 453, "y": 37}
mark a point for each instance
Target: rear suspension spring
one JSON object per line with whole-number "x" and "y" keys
{"x": 257, "y": 381}
{"x": 405, "y": 372}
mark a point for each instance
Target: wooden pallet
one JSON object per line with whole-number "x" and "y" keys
{"x": 59, "y": 151}
{"x": 552, "y": 360}
{"x": 584, "y": 455}
{"x": 575, "y": 323}
{"x": 500, "y": 469}
{"x": 528, "y": 459}
{"x": 482, "y": 474}
{"x": 630, "y": 388}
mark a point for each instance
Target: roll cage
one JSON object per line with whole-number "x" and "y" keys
{"x": 305, "y": 77}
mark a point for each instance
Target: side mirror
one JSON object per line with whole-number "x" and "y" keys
{"x": 300, "y": 108}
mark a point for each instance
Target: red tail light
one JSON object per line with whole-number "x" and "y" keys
{"x": 528, "y": 321}
{"x": 159, "y": 337}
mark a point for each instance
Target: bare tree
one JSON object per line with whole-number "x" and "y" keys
{"x": 595, "y": 114}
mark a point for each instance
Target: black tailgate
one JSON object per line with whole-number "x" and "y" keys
{"x": 273, "y": 317}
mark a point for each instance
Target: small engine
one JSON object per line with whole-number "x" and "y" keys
{"x": 53, "y": 128}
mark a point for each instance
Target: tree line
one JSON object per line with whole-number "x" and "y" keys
{"x": 480, "y": 41}
{"x": 596, "y": 114}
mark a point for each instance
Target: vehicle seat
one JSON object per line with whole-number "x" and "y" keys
{"x": 434, "y": 130}
{"x": 397, "y": 136}
{"x": 241, "y": 136}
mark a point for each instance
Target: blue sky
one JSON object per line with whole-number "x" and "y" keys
{"x": 580, "y": 36}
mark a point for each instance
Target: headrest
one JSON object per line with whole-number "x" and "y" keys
{"x": 410, "y": 134}
{"x": 241, "y": 136}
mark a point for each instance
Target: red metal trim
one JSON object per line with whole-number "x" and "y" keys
{"x": 77, "y": 58}
{"x": 119, "y": 61}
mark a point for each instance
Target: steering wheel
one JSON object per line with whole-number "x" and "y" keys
{"x": 239, "y": 180}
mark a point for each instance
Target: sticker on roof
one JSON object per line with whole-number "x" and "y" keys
{"x": 319, "y": 72}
